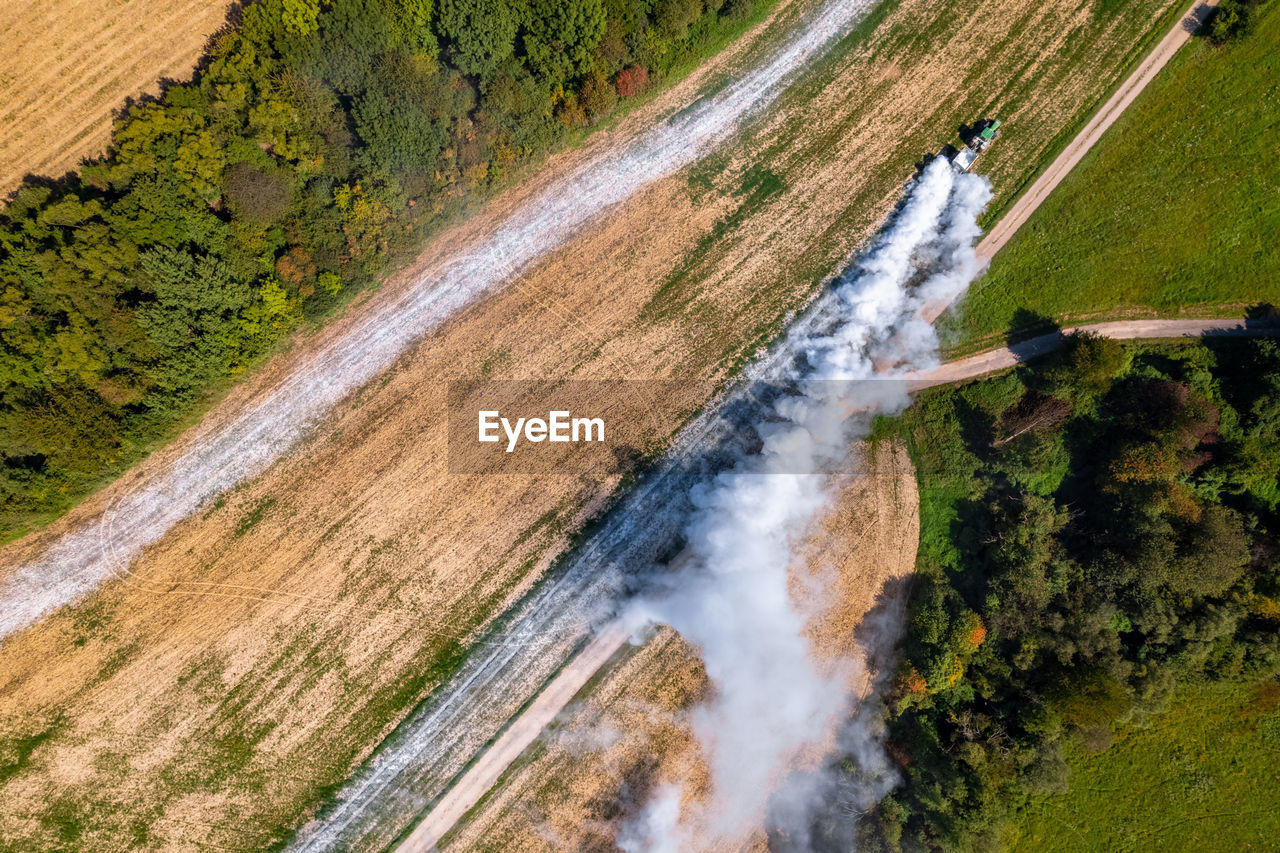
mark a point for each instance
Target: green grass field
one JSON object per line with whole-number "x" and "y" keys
{"x": 1177, "y": 209}
{"x": 1204, "y": 776}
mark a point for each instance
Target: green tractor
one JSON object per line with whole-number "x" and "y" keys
{"x": 985, "y": 133}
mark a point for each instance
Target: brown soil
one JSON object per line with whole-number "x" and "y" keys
{"x": 244, "y": 655}
{"x": 67, "y": 67}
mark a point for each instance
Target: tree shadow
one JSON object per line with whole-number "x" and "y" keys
{"x": 1241, "y": 363}
{"x": 946, "y": 152}
{"x": 845, "y": 786}
{"x": 970, "y": 534}
{"x": 57, "y": 187}
{"x": 976, "y": 428}
{"x": 1026, "y": 324}
{"x": 627, "y": 459}
{"x": 1198, "y": 20}
{"x": 878, "y": 631}
{"x": 969, "y": 132}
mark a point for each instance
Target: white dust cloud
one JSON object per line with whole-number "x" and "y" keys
{"x": 727, "y": 593}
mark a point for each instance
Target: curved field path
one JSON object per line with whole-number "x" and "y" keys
{"x": 990, "y": 361}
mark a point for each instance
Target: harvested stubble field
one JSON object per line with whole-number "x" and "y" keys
{"x": 629, "y": 731}
{"x": 67, "y": 67}
{"x": 219, "y": 691}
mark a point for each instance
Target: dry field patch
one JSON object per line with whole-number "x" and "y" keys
{"x": 68, "y": 66}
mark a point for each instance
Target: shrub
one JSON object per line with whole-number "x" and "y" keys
{"x": 632, "y": 81}
{"x": 1232, "y": 19}
{"x": 481, "y": 33}
{"x": 598, "y": 97}
{"x": 674, "y": 17}
{"x": 257, "y": 195}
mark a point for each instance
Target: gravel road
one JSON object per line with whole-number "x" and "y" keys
{"x": 1146, "y": 71}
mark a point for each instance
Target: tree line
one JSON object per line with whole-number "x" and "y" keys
{"x": 1097, "y": 527}
{"x": 317, "y": 143}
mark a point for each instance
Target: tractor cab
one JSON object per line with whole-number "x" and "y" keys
{"x": 985, "y": 133}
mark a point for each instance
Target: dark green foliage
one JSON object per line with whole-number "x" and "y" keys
{"x": 71, "y": 427}
{"x": 674, "y": 17}
{"x": 561, "y": 36}
{"x": 404, "y": 121}
{"x": 481, "y": 34}
{"x": 1232, "y": 19}
{"x": 1096, "y": 528}
{"x": 259, "y": 195}
{"x": 1084, "y": 364}
{"x": 413, "y": 25}
{"x": 320, "y": 142}
{"x": 191, "y": 317}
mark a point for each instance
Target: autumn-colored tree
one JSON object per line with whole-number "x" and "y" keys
{"x": 632, "y": 81}
{"x": 598, "y": 97}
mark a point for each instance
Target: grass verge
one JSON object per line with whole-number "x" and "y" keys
{"x": 1203, "y": 775}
